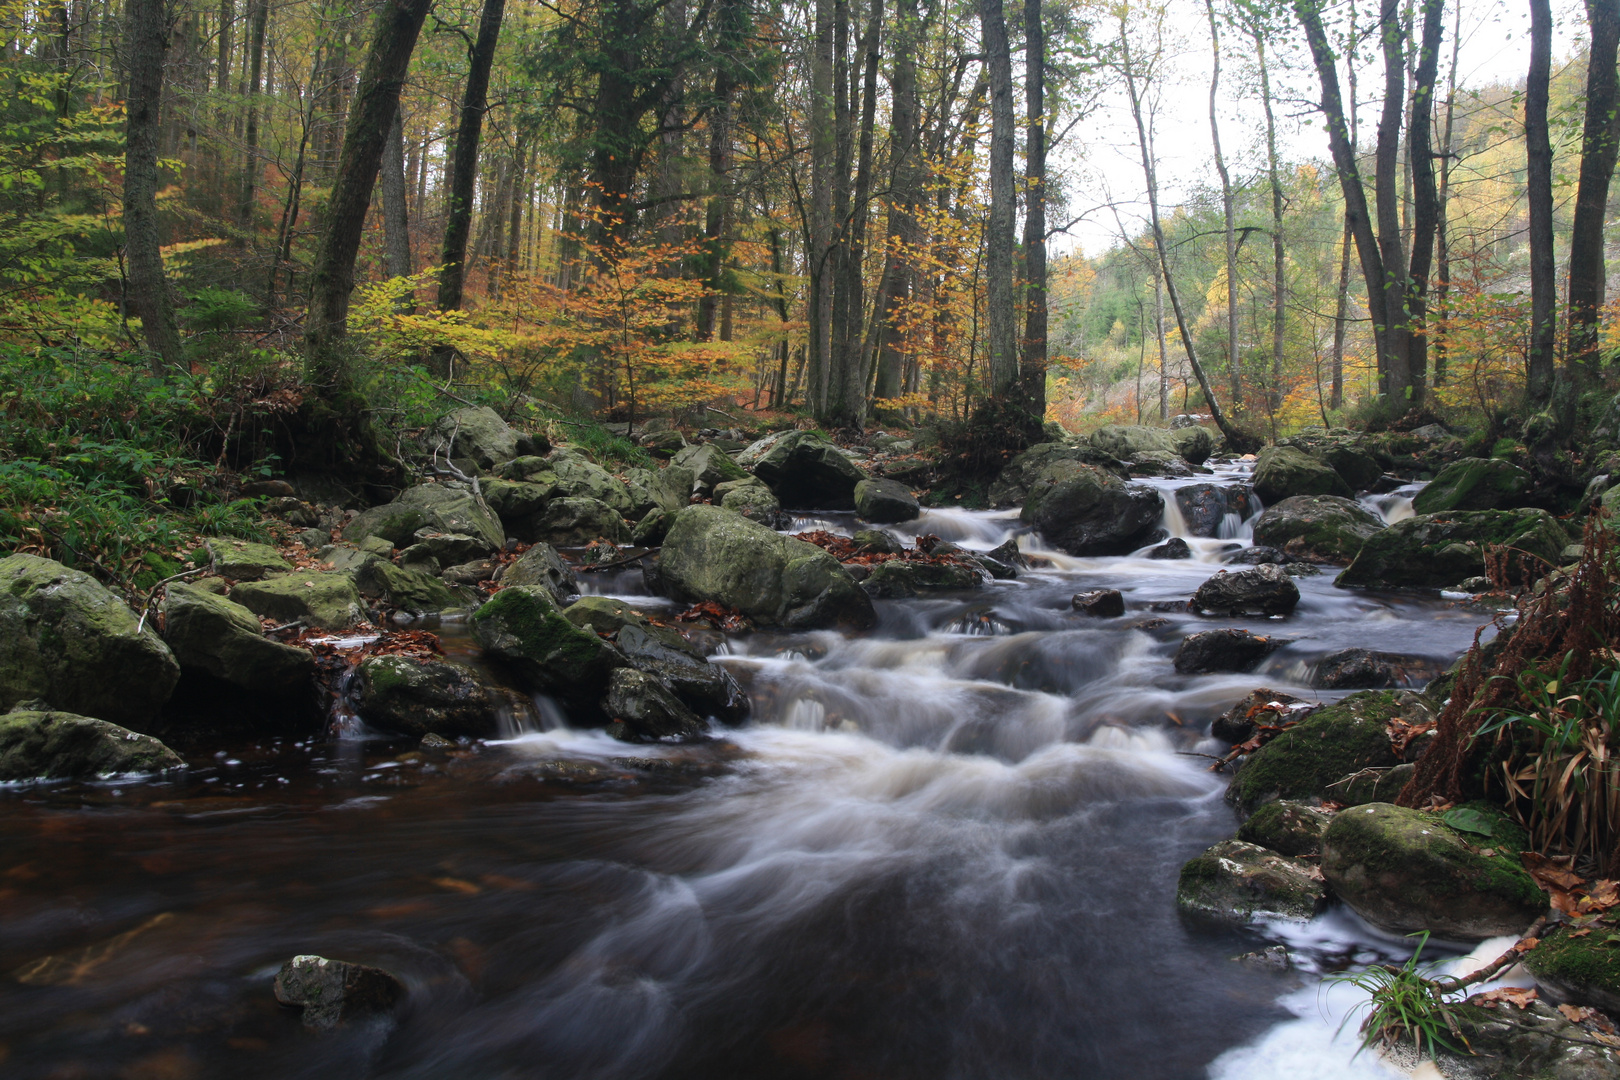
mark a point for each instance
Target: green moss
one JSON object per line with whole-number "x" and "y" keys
{"x": 1330, "y": 745}
{"x": 1587, "y": 963}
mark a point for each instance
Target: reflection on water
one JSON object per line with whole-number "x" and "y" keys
{"x": 944, "y": 849}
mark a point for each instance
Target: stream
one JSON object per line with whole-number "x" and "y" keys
{"x": 947, "y": 847}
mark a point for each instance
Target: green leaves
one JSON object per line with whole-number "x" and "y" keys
{"x": 1465, "y": 819}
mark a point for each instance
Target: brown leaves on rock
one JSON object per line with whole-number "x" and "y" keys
{"x": 1570, "y": 893}
{"x": 1402, "y": 732}
{"x": 846, "y": 550}
{"x": 1518, "y": 997}
{"x": 719, "y": 616}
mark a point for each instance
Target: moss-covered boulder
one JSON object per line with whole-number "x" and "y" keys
{"x": 809, "y": 473}
{"x": 319, "y": 600}
{"x": 894, "y": 580}
{"x": 220, "y": 644}
{"x": 664, "y": 654}
{"x": 542, "y": 565}
{"x": 651, "y": 529}
{"x": 1045, "y": 465}
{"x": 1473, "y": 484}
{"x": 709, "y": 465}
{"x": 1210, "y": 510}
{"x": 1434, "y": 551}
{"x": 1194, "y": 443}
{"x": 578, "y": 478}
{"x": 68, "y": 640}
{"x": 1281, "y": 472}
{"x": 1094, "y": 513}
{"x": 449, "y": 508}
{"x": 478, "y": 434}
{"x": 1288, "y": 828}
{"x": 1317, "y": 528}
{"x": 1536, "y": 1042}
{"x": 885, "y": 502}
{"x": 571, "y": 522}
{"x": 750, "y": 498}
{"x": 412, "y": 696}
{"x": 1356, "y": 467}
{"x": 240, "y": 560}
{"x": 519, "y": 503}
{"x": 1264, "y": 590}
{"x": 647, "y": 710}
{"x": 1236, "y": 882}
{"x": 1327, "y": 746}
{"x": 1125, "y": 440}
{"x": 671, "y": 487}
{"x": 714, "y": 554}
{"x": 1406, "y": 871}
{"x": 48, "y": 745}
{"x": 523, "y": 627}
{"x": 1581, "y": 970}
{"x": 405, "y": 589}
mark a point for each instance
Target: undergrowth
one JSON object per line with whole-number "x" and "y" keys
{"x": 1404, "y": 1005}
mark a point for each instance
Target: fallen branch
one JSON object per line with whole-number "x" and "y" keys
{"x": 151, "y": 598}
{"x": 1527, "y": 941}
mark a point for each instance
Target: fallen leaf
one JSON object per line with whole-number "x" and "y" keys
{"x": 1582, "y": 932}
{"x": 1577, "y": 1014}
{"x": 457, "y": 885}
{"x": 1518, "y": 997}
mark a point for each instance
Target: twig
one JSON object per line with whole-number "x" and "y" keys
{"x": 285, "y": 626}
{"x": 1512, "y": 956}
{"x": 152, "y": 597}
{"x": 449, "y": 469}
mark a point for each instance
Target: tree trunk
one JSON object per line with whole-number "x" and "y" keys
{"x": 1395, "y": 361}
{"x": 464, "y": 169}
{"x": 717, "y": 212}
{"x": 1228, "y": 213}
{"x": 1279, "y": 255}
{"x": 1033, "y": 362}
{"x": 1539, "y": 195}
{"x": 823, "y": 158}
{"x": 259, "y": 15}
{"x": 1002, "y": 357}
{"x": 1600, "y": 137}
{"x": 906, "y": 184}
{"x": 146, "y": 40}
{"x": 371, "y": 120}
{"x": 848, "y": 403}
{"x": 396, "y": 221}
{"x": 1442, "y": 289}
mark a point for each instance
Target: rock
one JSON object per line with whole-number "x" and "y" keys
{"x": 1364, "y": 669}
{"x": 242, "y": 561}
{"x": 1317, "y": 528}
{"x": 1281, "y": 472}
{"x": 885, "y": 502}
{"x": 407, "y": 590}
{"x": 1158, "y": 463}
{"x": 1371, "y": 785}
{"x": 1473, "y": 484}
{"x": 1194, "y": 444}
{"x": 1043, "y": 466}
{"x": 320, "y": 600}
{"x": 68, "y": 640}
{"x": 268, "y": 489}
{"x": 1122, "y": 441}
{"x": 1207, "y": 508}
{"x": 1100, "y": 603}
{"x": 1273, "y": 959}
{"x": 524, "y": 468}
{"x": 878, "y": 541}
{"x": 647, "y": 710}
{"x": 520, "y": 505}
{"x": 1406, "y": 871}
{"x": 222, "y": 642}
{"x": 333, "y": 993}
{"x": 419, "y": 559}
{"x": 440, "y": 507}
{"x": 1265, "y": 590}
{"x": 1435, "y": 551}
{"x": 663, "y": 444}
{"x": 1288, "y": 828}
{"x": 570, "y": 522}
{"x": 541, "y": 565}
{"x": 478, "y": 434}
{"x": 1534, "y": 1043}
{"x": 1222, "y": 650}
{"x": 808, "y": 473}
{"x": 38, "y": 744}
{"x": 639, "y": 483}
{"x": 664, "y": 654}
{"x": 1259, "y": 556}
{"x": 313, "y": 539}
{"x": 651, "y": 530}
{"x": 1579, "y": 971}
{"x": 671, "y": 487}
{"x": 1095, "y": 513}
{"x": 578, "y": 478}
{"x": 523, "y": 627}
{"x": 714, "y": 554}
{"x": 469, "y": 574}
{"x": 753, "y": 500}
{"x": 1234, "y": 882}
{"x": 347, "y": 558}
{"x": 1325, "y": 747}
{"x": 1236, "y": 724}
{"x": 1356, "y": 467}
{"x": 897, "y": 579}
{"x": 1173, "y": 548}
{"x": 452, "y": 549}
{"x": 416, "y": 697}
{"x": 709, "y": 466}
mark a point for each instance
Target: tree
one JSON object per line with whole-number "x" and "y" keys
{"x": 1033, "y": 361}
{"x": 464, "y": 167}
{"x": 1539, "y": 193}
{"x": 1000, "y": 348}
{"x": 1228, "y": 212}
{"x": 1600, "y": 138}
{"x": 146, "y": 37}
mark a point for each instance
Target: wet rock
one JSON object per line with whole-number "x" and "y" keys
{"x": 1435, "y": 551}
{"x": 1124, "y": 440}
{"x": 1405, "y": 871}
{"x": 714, "y": 554}
{"x": 441, "y": 507}
{"x": 1007, "y": 552}
{"x": 1371, "y": 785}
{"x": 1317, "y": 528}
{"x": 752, "y": 499}
{"x": 1158, "y": 463}
{"x": 1193, "y": 443}
{"x": 221, "y": 646}
{"x": 1043, "y": 466}
{"x": 1288, "y": 828}
{"x": 1327, "y": 746}
{"x": 1236, "y": 724}
{"x": 1223, "y": 650}
{"x": 647, "y": 710}
{"x": 651, "y": 529}
{"x": 1358, "y": 468}
{"x": 478, "y": 434}
{"x": 435, "y": 743}
{"x": 1281, "y": 472}
{"x": 1259, "y": 555}
{"x": 1273, "y": 959}
{"x": 466, "y": 575}
{"x": 333, "y": 993}
{"x": 523, "y": 627}
{"x": 1173, "y": 548}
{"x": 541, "y": 565}
{"x": 1100, "y": 603}
{"x": 406, "y": 589}
{"x": 879, "y": 541}
{"x": 1096, "y": 513}
{"x": 418, "y": 697}
{"x": 885, "y": 501}
{"x": 896, "y": 579}
{"x": 1204, "y": 507}
{"x": 65, "y": 638}
{"x": 1534, "y": 1043}
{"x": 1581, "y": 970}
{"x": 1234, "y": 882}
{"x": 709, "y": 465}
{"x": 575, "y": 522}
{"x": 663, "y": 653}
{"x": 242, "y": 561}
{"x": 324, "y": 601}
{"x": 1265, "y": 590}
{"x": 47, "y": 745}
{"x": 808, "y": 473}
{"x": 1364, "y": 669}
{"x": 1473, "y": 484}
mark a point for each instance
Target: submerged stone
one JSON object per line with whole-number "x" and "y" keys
{"x": 332, "y": 992}
{"x": 1236, "y": 882}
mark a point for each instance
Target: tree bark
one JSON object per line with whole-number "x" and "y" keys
{"x": 906, "y": 185}
{"x": 1425, "y": 196}
{"x": 146, "y": 39}
{"x": 848, "y": 401}
{"x": 1395, "y": 366}
{"x": 464, "y": 169}
{"x": 823, "y": 158}
{"x": 1600, "y": 137}
{"x": 258, "y": 17}
{"x": 1539, "y": 195}
{"x": 1001, "y": 353}
{"x": 1442, "y": 237}
{"x": 1032, "y": 365}
{"x": 716, "y": 215}
{"x": 1279, "y": 255}
{"x": 1228, "y": 214}
{"x": 396, "y": 221}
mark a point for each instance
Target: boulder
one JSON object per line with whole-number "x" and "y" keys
{"x": 452, "y": 549}
{"x": 1043, "y": 466}
{"x": 523, "y": 627}
{"x": 411, "y": 696}
{"x": 1325, "y": 747}
{"x": 809, "y": 473}
{"x": 1364, "y": 669}
{"x": 639, "y": 483}
{"x": 405, "y": 589}
{"x": 68, "y": 640}
{"x": 571, "y": 522}
{"x": 525, "y": 468}
{"x": 662, "y": 444}
{"x": 1473, "y": 484}
{"x": 1158, "y": 463}
{"x": 1095, "y": 513}
{"x": 671, "y": 488}
{"x": 541, "y": 565}
{"x": 713, "y": 554}
{"x": 519, "y": 504}
{"x": 663, "y": 653}
{"x": 1537, "y": 1042}
{"x": 878, "y": 542}
{"x": 1288, "y": 828}
{"x": 647, "y": 710}
{"x": 1173, "y": 548}
{"x": 651, "y": 530}
{"x": 709, "y": 465}
{"x": 321, "y": 601}
{"x": 1237, "y": 724}
{"x": 1265, "y": 590}
{"x": 1317, "y": 528}
{"x": 752, "y": 499}
{"x": 1236, "y": 883}
{"x": 1194, "y": 444}
{"x": 1222, "y": 650}
{"x": 1581, "y": 970}
{"x": 1122, "y": 441}
{"x": 885, "y": 502}
{"x": 441, "y": 507}
{"x": 1359, "y": 469}
{"x": 242, "y": 561}
{"x": 1205, "y": 508}
{"x": 1371, "y": 785}
{"x": 332, "y": 992}
{"x": 1099, "y": 603}
{"x": 470, "y": 574}
{"x": 1407, "y": 871}
{"x": 578, "y": 478}
{"x": 897, "y": 579}
{"x": 40, "y": 744}
{"x": 220, "y": 645}
{"x": 1259, "y": 556}
{"x": 1436, "y": 551}
{"x": 478, "y": 434}
{"x": 1281, "y": 472}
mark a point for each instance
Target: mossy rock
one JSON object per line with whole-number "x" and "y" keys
{"x": 1194, "y": 444}
{"x": 523, "y": 627}
{"x": 642, "y": 708}
{"x": 1045, "y": 465}
{"x": 651, "y": 529}
{"x": 1317, "y": 528}
{"x": 709, "y": 467}
{"x": 223, "y": 640}
{"x": 1281, "y": 472}
{"x": 418, "y": 697}
{"x": 580, "y": 479}
{"x": 1534, "y": 1043}
{"x": 242, "y": 561}
{"x": 1406, "y": 871}
{"x": 1372, "y": 785}
{"x": 1092, "y": 512}
{"x": 1327, "y": 746}
{"x": 479, "y": 434}
{"x": 885, "y": 502}
{"x": 1435, "y": 551}
{"x": 441, "y": 507}
{"x": 1289, "y": 828}
{"x": 515, "y": 501}
{"x": 405, "y": 589}
{"x": 47, "y": 745}
{"x": 1473, "y": 484}
{"x": 752, "y": 499}
{"x": 1581, "y": 970}
{"x": 320, "y": 600}
{"x": 896, "y": 579}
{"x": 807, "y": 472}
{"x": 1125, "y": 440}
{"x": 1356, "y": 467}
{"x": 575, "y": 522}
{"x": 1236, "y": 882}
{"x": 542, "y": 565}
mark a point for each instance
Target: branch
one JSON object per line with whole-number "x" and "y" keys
{"x": 1507, "y": 959}
{"x": 152, "y": 597}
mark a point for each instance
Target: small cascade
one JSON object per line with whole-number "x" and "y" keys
{"x": 1395, "y": 506}
{"x": 1174, "y": 521}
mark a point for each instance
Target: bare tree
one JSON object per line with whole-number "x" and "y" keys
{"x": 146, "y": 40}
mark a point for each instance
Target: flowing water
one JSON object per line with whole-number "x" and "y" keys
{"x": 944, "y": 848}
